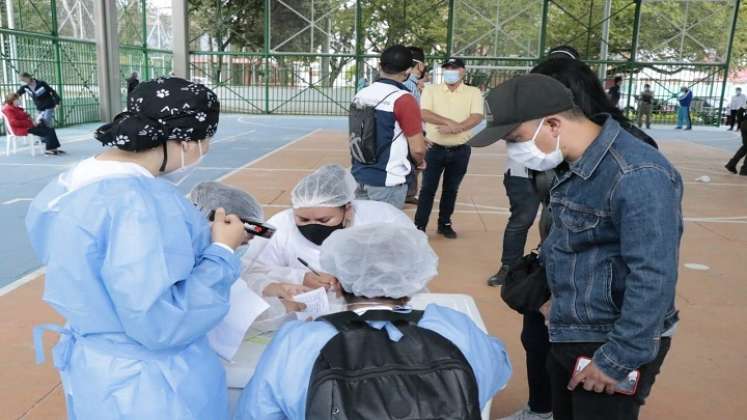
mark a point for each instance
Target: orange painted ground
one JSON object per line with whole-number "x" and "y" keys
{"x": 702, "y": 378}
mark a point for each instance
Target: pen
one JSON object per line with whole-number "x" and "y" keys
{"x": 305, "y": 264}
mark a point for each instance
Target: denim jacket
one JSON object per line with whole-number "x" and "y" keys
{"x": 612, "y": 254}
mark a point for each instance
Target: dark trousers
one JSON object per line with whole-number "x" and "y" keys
{"x": 412, "y": 183}
{"x": 524, "y": 204}
{"x": 741, "y": 153}
{"x": 452, "y": 162}
{"x": 585, "y": 405}
{"x": 736, "y": 116}
{"x": 48, "y": 136}
{"x": 536, "y": 344}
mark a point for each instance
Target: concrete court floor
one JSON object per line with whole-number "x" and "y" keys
{"x": 701, "y": 377}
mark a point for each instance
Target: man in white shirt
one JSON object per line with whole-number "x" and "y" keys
{"x": 737, "y": 108}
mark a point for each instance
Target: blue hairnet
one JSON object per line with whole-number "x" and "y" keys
{"x": 379, "y": 260}
{"x": 211, "y": 195}
{"x": 329, "y": 186}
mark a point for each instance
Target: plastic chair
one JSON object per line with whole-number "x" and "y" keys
{"x": 11, "y": 138}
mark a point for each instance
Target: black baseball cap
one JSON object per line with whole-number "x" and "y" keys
{"x": 453, "y": 63}
{"x": 518, "y": 100}
{"x": 396, "y": 58}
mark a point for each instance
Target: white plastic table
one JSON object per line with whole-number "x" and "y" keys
{"x": 241, "y": 369}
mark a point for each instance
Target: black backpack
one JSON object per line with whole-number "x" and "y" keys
{"x": 362, "y": 126}
{"x": 362, "y": 374}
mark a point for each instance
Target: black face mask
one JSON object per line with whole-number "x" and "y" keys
{"x": 317, "y": 233}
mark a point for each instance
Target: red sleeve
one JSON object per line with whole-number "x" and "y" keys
{"x": 17, "y": 117}
{"x": 407, "y": 114}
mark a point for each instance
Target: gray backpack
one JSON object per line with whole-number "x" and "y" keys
{"x": 362, "y": 125}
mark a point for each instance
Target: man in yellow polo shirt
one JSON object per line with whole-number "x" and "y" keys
{"x": 450, "y": 110}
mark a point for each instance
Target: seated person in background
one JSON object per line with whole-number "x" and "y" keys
{"x": 323, "y": 202}
{"x": 439, "y": 364}
{"x": 208, "y": 196}
{"x": 22, "y": 124}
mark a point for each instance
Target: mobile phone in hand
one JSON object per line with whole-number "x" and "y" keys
{"x": 627, "y": 386}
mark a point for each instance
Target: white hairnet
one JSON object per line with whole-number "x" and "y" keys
{"x": 329, "y": 186}
{"x": 379, "y": 260}
{"x": 211, "y": 195}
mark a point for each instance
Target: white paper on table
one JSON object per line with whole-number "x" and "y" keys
{"x": 316, "y": 301}
{"x": 245, "y": 306}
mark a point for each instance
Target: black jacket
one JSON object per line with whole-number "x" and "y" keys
{"x": 44, "y": 96}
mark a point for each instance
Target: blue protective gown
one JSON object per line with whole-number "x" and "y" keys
{"x": 131, "y": 267}
{"x": 280, "y": 383}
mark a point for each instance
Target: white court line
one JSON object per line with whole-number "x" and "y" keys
{"x": 244, "y": 120}
{"x": 231, "y": 137}
{"x": 23, "y": 280}
{"x": 35, "y": 274}
{"x": 283, "y": 147}
{"x": 17, "y": 200}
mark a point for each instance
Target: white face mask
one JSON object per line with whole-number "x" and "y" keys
{"x": 177, "y": 176}
{"x": 528, "y": 154}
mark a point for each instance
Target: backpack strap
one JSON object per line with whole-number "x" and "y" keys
{"x": 387, "y": 96}
{"x": 349, "y": 320}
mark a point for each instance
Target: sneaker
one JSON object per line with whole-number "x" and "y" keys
{"x": 447, "y": 231}
{"x": 527, "y": 414}
{"x": 411, "y": 200}
{"x": 732, "y": 169}
{"x": 499, "y": 278}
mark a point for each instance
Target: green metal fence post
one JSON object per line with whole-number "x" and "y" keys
{"x": 729, "y": 47}
{"x": 60, "y": 116}
{"x": 146, "y": 72}
{"x": 633, "y": 53}
{"x": 266, "y": 55}
{"x": 450, "y": 30}
{"x": 359, "y": 65}
{"x": 543, "y": 28}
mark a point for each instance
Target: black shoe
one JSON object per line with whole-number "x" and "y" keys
{"x": 732, "y": 169}
{"x": 743, "y": 173}
{"x": 499, "y": 278}
{"x": 688, "y": 128}
{"x": 447, "y": 231}
{"x": 411, "y": 200}
{"x": 420, "y": 228}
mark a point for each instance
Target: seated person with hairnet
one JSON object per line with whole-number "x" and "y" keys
{"x": 208, "y": 196}
{"x": 323, "y": 202}
{"x": 378, "y": 359}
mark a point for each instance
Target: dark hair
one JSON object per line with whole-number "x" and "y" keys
{"x": 587, "y": 90}
{"x": 417, "y": 53}
{"x": 646, "y": 85}
{"x": 396, "y": 59}
{"x": 618, "y": 79}
{"x": 26, "y": 75}
{"x": 353, "y": 299}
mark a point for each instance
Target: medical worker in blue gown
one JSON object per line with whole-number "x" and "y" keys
{"x": 135, "y": 269}
{"x": 379, "y": 266}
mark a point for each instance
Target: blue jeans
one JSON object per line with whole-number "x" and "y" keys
{"x": 452, "y": 162}
{"x": 392, "y": 195}
{"x": 524, "y": 203}
{"x": 683, "y": 117}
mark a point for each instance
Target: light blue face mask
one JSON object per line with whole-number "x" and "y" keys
{"x": 451, "y": 77}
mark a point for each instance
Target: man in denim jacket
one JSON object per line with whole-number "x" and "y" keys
{"x": 612, "y": 254}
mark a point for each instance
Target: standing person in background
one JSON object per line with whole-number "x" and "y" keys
{"x": 45, "y": 98}
{"x": 132, "y": 82}
{"x": 685, "y": 98}
{"x": 645, "y": 105}
{"x": 614, "y": 92}
{"x": 417, "y": 72}
{"x": 399, "y": 131}
{"x": 737, "y": 108}
{"x": 450, "y": 111}
{"x": 22, "y": 124}
{"x": 741, "y": 153}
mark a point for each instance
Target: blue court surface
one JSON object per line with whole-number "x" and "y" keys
{"x": 240, "y": 140}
